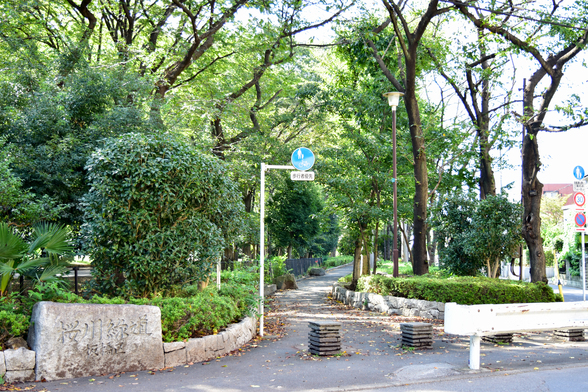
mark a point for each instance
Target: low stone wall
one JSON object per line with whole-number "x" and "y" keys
{"x": 269, "y": 289}
{"x": 19, "y": 365}
{"x": 389, "y": 304}
{"x": 212, "y": 346}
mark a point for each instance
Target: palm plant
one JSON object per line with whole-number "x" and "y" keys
{"x": 41, "y": 259}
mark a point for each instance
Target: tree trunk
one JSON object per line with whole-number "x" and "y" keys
{"x": 289, "y": 251}
{"x": 431, "y": 245}
{"x": 376, "y": 247}
{"x": 408, "y": 42}
{"x": 420, "y": 264}
{"x": 487, "y": 182}
{"x": 356, "y": 263}
{"x": 532, "y": 191}
{"x": 247, "y": 250}
{"x": 406, "y": 243}
{"x": 365, "y": 270}
{"x": 387, "y": 243}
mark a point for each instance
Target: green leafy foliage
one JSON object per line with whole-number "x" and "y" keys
{"x": 13, "y": 319}
{"x": 43, "y": 258}
{"x": 183, "y": 318}
{"x": 292, "y": 217}
{"x": 330, "y": 262}
{"x": 51, "y": 129}
{"x": 472, "y": 234}
{"x": 452, "y": 223}
{"x": 158, "y": 214}
{"x": 573, "y": 257}
{"x": 462, "y": 290}
{"x": 196, "y": 313}
{"x": 19, "y": 206}
{"x": 276, "y": 266}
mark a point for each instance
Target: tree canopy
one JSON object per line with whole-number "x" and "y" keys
{"x": 238, "y": 83}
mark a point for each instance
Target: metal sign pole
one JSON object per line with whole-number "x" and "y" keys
{"x": 264, "y": 167}
{"x": 261, "y": 245}
{"x": 583, "y": 268}
{"x": 218, "y": 273}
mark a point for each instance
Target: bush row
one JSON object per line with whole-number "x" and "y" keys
{"x": 330, "y": 262}
{"x": 462, "y": 290}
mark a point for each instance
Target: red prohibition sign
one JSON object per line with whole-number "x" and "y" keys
{"x": 580, "y": 219}
{"x": 579, "y": 199}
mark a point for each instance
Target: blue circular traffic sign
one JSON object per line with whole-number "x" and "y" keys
{"x": 580, "y": 219}
{"x": 579, "y": 172}
{"x": 302, "y": 158}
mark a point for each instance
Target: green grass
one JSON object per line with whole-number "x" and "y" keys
{"x": 387, "y": 267}
{"x": 330, "y": 262}
{"x": 404, "y": 268}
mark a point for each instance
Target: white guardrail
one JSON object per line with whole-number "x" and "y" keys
{"x": 483, "y": 320}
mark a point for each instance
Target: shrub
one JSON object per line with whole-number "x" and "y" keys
{"x": 14, "y": 319}
{"x": 346, "y": 278}
{"x": 198, "y": 314}
{"x": 476, "y": 233}
{"x": 462, "y": 290}
{"x": 158, "y": 214}
{"x": 574, "y": 258}
{"x": 337, "y": 261}
{"x": 277, "y": 265}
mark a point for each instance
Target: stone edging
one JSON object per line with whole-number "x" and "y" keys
{"x": 211, "y": 346}
{"x": 19, "y": 365}
{"x": 389, "y": 304}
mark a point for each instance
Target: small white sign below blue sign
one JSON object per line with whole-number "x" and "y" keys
{"x": 302, "y": 158}
{"x": 579, "y": 172}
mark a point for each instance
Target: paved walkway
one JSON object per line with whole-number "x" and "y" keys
{"x": 373, "y": 360}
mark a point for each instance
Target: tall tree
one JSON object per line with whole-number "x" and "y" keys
{"x": 409, "y": 35}
{"x": 473, "y": 70}
{"x": 293, "y": 216}
{"x": 566, "y": 37}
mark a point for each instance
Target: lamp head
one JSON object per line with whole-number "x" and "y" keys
{"x": 393, "y": 98}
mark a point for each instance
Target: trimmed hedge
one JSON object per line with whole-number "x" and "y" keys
{"x": 330, "y": 262}
{"x": 462, "y": 290}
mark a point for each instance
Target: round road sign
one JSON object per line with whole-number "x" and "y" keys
{"x": 579, "y": 172}
{"x": 579, "y": 199}
{"x": 580, "y": 219}
{"x": 302, "y": 158}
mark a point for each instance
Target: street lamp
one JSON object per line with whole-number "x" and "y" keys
{"x": 393, "y": 99}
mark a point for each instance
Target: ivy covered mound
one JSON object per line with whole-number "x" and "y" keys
{"x": 465, "y": 290}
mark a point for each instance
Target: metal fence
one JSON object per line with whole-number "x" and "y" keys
{"x": 300, "y": 266}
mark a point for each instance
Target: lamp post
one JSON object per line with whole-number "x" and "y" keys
{"x": 393, "y": 99}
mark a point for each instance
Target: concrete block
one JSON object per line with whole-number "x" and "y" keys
{"x": 13, "y": 376}
{"x": 173, "y": 346}
{"x": 195, "y": 351}
{"x": 175, "y": 358}
{"x": 211, "y": 345}
{"x": 2, "y": 364}
{"x": 21, "y": 359}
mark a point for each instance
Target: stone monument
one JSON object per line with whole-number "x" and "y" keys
{"x": 78, "y": 340}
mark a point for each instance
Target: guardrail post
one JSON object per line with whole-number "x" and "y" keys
{"x": 475, "y": 352}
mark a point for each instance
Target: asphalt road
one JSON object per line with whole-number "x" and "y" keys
{"x": 373, "y": 358}
{"x": 571, "y": 294}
